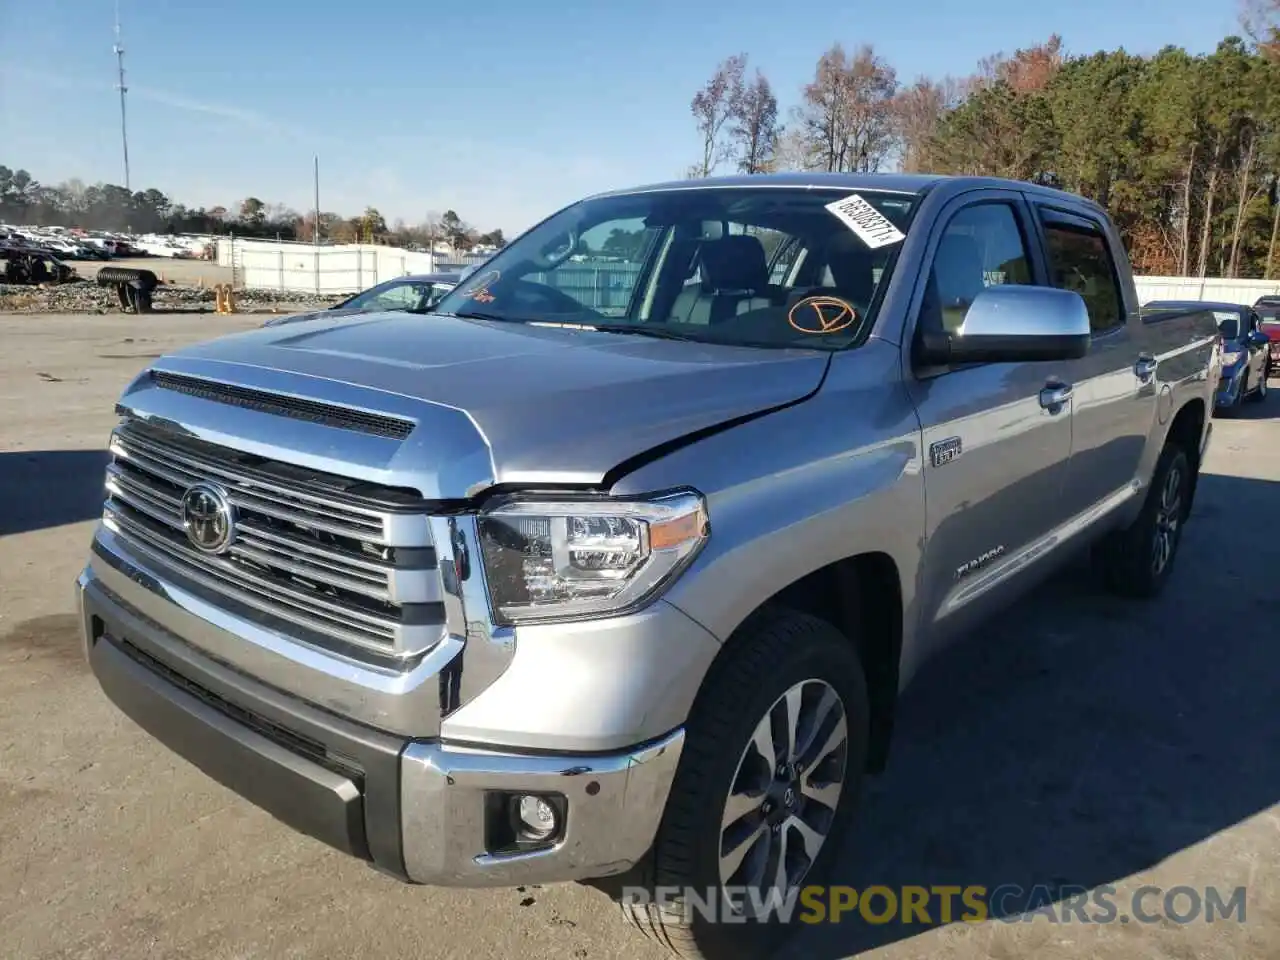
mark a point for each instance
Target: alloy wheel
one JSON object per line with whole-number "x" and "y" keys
{"x": 785, "y": 791}
{"x": 1168, "y": 521}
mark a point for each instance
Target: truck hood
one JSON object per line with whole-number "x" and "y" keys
{"x": 489, "y": 402}
{"x": 329, "y": 313}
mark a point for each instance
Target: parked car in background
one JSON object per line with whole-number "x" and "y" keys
{"x": 1269, "y": 323}
{"x": 1246, "y": 353}
{"x": 25, "y": 263}
{"x": 416, "y": 293}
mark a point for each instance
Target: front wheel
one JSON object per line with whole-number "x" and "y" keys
{"x": 1138, "y": 560}
{"x": 768, "y": 780}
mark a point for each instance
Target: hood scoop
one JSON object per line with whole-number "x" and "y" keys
{"x": 283, "y": 405}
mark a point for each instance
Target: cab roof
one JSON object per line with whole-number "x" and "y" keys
{"x": 907, "y": 183}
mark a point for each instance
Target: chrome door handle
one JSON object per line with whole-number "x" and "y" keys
{"x": 1053, "y": 396}
{"x": 1145, "y": 368}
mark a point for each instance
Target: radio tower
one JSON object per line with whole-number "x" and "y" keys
{"x": 124, "y": 132}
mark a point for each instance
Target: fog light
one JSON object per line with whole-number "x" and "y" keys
{"x": 537, "y": 818}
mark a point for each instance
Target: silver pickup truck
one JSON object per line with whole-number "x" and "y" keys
{"x": 617, "y": 568}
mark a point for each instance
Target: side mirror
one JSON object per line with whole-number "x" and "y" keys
{"x": 1013, "y": 323}
{"x": 1258, "y": 339}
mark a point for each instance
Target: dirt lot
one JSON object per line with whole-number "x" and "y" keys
{"x": 1081, "y": 740}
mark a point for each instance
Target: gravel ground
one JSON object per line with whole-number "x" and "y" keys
{"x": 186, "y": 286}
{"x": 1079, "y": 740}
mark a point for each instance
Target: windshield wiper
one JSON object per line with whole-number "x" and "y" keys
{"x": 639, "y": 330}
{"x": 480, "y": 315}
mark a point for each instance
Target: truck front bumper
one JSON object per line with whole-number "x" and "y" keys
{"x": 425, "y": 811}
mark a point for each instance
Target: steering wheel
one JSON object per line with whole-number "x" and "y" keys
{"x": 550, "y": 259}
{"x": 547, "y": 298}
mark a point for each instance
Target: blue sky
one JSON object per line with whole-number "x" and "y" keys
{"x": 502, "y": 110}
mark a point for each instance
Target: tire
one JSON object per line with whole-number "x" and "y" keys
{"x": 778, "y": 651}
{"x": 1137, "y": 561}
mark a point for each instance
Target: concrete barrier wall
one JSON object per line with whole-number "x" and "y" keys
{"x": 348, "y": 268}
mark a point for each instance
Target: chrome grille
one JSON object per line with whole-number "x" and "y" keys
{"x": 344, "y": 564}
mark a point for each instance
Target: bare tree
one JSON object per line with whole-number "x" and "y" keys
{"x": 1248, "y": 189}
{"x": 754, "y": 130}
{"x": 792, "y": 150}
{"x": 874, "y": 85}
{"x": 1261, "y": 22}
{"x": 846, "y": 117}
{"x": 430, "y": 229}
{"x": 712, "y": 108}
{"x": 1028, "y": 70}
{"x": 917, "y": 111}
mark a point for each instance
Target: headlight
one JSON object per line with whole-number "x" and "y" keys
{"x": 1231, "y": 356}
{"x": 559, "y": 559}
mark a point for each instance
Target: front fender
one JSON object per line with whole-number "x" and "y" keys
{"x": 833, "y": 477}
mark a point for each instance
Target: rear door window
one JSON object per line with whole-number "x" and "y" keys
{"x": 1080, "y": 260}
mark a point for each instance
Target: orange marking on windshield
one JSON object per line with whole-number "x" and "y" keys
{"x": 830, "y": 313}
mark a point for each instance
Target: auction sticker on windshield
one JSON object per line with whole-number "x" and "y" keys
{"x": 871, "y": 226}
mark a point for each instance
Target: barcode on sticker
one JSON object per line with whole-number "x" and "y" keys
{"x": 871, "y": 226}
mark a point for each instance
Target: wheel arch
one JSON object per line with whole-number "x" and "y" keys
{"x": 860, "y": 596}
{"x": 1186, "y": 430}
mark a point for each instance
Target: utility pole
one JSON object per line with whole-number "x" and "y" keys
{"x": 316, "y": 225}
{"x": 124, "y": 131}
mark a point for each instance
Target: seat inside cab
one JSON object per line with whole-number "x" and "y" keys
{"x": 734, "y": 279}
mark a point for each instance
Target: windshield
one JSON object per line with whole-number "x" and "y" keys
{"x": 756, "y": 266}
{"x": 397, "y": 295}
{"x": 1228, "y": 324}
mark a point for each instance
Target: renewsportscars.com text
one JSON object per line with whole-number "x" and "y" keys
{"x": 934, "y": 905}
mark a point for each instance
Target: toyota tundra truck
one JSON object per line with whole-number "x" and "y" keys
{"x": 614, "y": 564}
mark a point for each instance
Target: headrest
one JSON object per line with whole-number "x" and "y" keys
{"x": 851, "y": 263}
{"x": 734, "y": 263}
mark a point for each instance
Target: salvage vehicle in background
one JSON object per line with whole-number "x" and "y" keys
{"x": 416, "y": 293}
{"x": 1246, "y": 354}
{"x": 534, "y": 592}
{"x": 24, "y": 263}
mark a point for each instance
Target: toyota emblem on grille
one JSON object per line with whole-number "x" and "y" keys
{"x": 208, "y": 518}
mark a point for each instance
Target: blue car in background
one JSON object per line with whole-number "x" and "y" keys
{"x": 415, "y": 293}
{"x": 1246, "y": 358}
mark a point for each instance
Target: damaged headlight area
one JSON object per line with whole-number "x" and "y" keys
{"x": 561, "y": 559}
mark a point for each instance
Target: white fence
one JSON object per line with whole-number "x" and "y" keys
{"x": 336, "y": 269}
{"x": 348, "y": 268}
{"x": 1209, "y": 288}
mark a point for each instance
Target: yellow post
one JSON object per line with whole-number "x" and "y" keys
{"x": 222, "y": 299}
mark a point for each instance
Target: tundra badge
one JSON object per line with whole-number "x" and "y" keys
{"x": 978, "y": 562}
